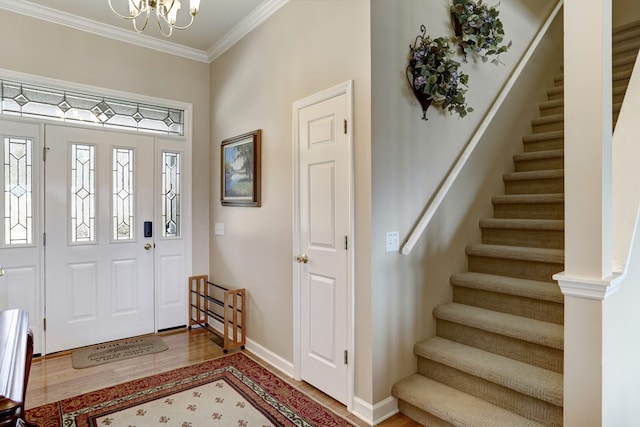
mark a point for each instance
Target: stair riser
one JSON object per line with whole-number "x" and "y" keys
{"x": 544, "y": 145}
{"x": 526, "y": 406}
{"x": 552, "y": 163}
{"x": 624, "y": 50}
{"x": 549, "y": 111}
{"x": 547, "y": 127}
{"x": 529, "y": 210}
{"x": 535, "y": 186}
{"x": 533, "y": 354}
{"x": 550, "y": 239}
{"x": 420, "y": 416}
{"x": 521, "y": 269}
{"x": 621, "y": 82}
{"x": 545, "y": 311}
{"x": 557, "y": 93}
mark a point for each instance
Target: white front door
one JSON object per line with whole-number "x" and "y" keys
{"x": 323, "y": 217}
{"x": 100, "y": 265}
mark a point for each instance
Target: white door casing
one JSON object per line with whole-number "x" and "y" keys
{"x": 323, "y": 242}
{"x": 100, "y": 290}
{"x": 22, "y": 284}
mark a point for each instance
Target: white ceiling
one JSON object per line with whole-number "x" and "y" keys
{"x": 218, "y": 25}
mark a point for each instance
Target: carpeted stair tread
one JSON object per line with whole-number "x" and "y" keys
{"x": 524, "y": 224}
{"x": 544, "y": 120}
{"x": 529, "y": 380}
{"x": 548, "y": 105}
{"x": 534, "y": 289}
{"x": 541, "y": 136}
{"x": 625, "y": 47}
{"x": 528, "y": 175}
{"x": 528, "y": 198}
{"x": 521, "y": 328}
{"x": 538, "y": 155}
{"x": 554, "y": 256}
{"x": 632, "y": 29}
{"x": 454, "y": 406}
{"x": 624, "y": 60}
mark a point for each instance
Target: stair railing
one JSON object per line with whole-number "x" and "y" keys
{"x": 465, "y": 155}
{"x": 626, "y": 174}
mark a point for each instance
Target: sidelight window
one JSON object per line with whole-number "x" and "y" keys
{"x": 18, "y": 193}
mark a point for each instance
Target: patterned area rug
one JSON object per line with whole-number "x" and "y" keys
{"x": 233, "y": 390}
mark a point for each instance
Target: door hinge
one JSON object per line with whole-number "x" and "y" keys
{"x": 44, "y": 239}
{"x": 44, "y": 323}
{"x": 44, "y": 153}
{"x": 345, "y": 126}
{"x": 346, "y": 357}
{"x": 346, "y": 243}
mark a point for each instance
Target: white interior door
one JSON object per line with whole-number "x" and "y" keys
{"x": 100, "y": 266}
{"x": 323, "y": 218}
{"x": 21, "y": 231}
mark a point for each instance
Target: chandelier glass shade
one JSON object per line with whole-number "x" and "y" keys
{"x": 166, "y": 12}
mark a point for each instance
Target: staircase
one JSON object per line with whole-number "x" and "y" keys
{"x": 497, "y": 357}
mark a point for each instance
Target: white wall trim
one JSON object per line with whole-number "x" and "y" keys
{"x": 589, "y": 288}
{"x": 375, "y": 414}
{"x": 244, "y": 27}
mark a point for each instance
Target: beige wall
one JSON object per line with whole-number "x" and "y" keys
{"x": 625, "y": 11}
{"x": 53, "y": 51}
{"x": 306, "y": 47}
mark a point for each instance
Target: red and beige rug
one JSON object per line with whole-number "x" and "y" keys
{"x": 230, "y": 391}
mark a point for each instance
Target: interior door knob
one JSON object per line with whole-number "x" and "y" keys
{"x": 147, "y": 246}
{"x": 302, "y": 259}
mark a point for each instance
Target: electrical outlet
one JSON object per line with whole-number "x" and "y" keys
{"x": 393, "y": 241}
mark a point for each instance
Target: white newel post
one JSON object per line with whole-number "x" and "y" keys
{"x": 588, "y": 207}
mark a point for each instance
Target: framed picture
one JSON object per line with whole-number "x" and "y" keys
{"x": 240, "y": 170}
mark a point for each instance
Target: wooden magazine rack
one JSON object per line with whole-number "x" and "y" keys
{"x": 210, "y": 303}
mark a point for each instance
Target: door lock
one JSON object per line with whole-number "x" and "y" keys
{"x": 302, "y": 259}
{"x": 147, "y": 246}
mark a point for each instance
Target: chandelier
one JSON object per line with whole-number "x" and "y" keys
{"x": 166, "y": 14}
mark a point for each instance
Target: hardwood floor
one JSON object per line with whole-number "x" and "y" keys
{"x": 53, "y": 378}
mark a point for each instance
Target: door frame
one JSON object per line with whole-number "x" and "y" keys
{"x": 346, "y": 89}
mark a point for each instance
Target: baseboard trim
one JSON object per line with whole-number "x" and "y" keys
{"x": 375, "y": 414}
{"x": 270, "y": 357}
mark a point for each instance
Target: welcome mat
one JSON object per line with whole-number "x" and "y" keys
{"x": 117, "y": 350}
{"x": 233, "y": 390}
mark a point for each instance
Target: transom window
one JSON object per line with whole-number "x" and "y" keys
{"x": 27, "y": 100}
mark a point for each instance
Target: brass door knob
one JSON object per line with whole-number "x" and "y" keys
{"x": 302, "y": 259}
{"x": 147, "y": 246}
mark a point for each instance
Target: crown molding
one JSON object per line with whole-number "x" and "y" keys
{"x": 244, "y": 27}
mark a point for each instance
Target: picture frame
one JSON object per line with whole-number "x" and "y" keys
{"x": 240, "y": 170}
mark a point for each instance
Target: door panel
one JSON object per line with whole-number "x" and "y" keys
{"x": 323, "y": 227}
{"x": 100, "y": 275}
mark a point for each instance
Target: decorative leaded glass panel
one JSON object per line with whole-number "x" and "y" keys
{"x": 26, "y": 100}
{"x": 18, "y": 196}
{"x": 123, "y": 192}
{"x": 83, "y": 193}
{"x": 171, "y": 194}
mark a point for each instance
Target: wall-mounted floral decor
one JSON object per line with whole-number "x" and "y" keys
{"x": 478, "y": 30}
{"x": 435, "y": 77}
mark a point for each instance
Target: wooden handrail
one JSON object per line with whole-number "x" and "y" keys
{"x": 435, "y": 203}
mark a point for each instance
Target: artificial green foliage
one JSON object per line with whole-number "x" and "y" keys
{"x": 435, "y": 77}
{"x": 478, "y": 30}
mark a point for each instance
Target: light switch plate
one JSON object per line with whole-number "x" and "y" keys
{"x": 219, "y": 229}
{"x": 393, "y": 241}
